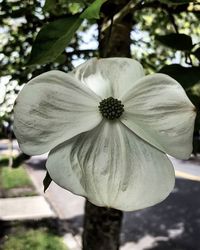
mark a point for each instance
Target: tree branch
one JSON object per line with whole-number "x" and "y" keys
{"x": 131, "y": 6}
{"x": 128, "y": 8}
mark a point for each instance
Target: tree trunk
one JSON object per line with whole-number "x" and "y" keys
{"x": 114, "y": 40}
{"x": 102, "y": 225}
{"x": 101, "y": 228}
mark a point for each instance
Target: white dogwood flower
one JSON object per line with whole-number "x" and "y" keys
{"x": 108, "y": 128}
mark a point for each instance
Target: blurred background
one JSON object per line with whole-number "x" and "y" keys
{"x": 165, "y": 37}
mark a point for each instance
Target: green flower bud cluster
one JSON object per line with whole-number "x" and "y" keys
{"x": 111, "y": 108}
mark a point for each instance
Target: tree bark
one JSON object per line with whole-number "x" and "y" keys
{"x": 101, "y": 228}
{"x": 114, "y": 40}
{"x": 102, "y": 225}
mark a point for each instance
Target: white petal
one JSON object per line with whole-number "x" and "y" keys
{"x": 52, "y": 108}
{"x": 112, "y": 167}
{"x": 110, "y": 76}
{"x": 158, "y": 110}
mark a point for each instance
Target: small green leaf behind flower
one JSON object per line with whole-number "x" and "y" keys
{"x": 52, "y": 39}
{"x": 47, "y": 181}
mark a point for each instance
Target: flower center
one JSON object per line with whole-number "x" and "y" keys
{"x": 111, "y": 108}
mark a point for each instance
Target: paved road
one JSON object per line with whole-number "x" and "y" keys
{"x": 172, "y": 225}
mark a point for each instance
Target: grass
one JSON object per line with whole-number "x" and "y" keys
{"x": 14, "y": 178}
{"x": 15, "y": 182}
{"x": 33, "y": 239}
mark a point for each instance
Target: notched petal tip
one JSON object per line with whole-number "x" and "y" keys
{"x": 104, "y": 76}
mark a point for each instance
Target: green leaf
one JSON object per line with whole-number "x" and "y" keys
{"x": 176, "y": 41}
{"x": 47, "y": 181}
{"x": 61, "y": 59}
{"x": 49, "y": 5}
{"x": 177, "y": 2}
{"x": 52, "y": 39}
{"x": 92, "y": 12}
{"x": 187, "y": 77}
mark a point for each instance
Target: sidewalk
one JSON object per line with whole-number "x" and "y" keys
{"x": 67, "y": 206}
{"x": 22, "y": 208}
